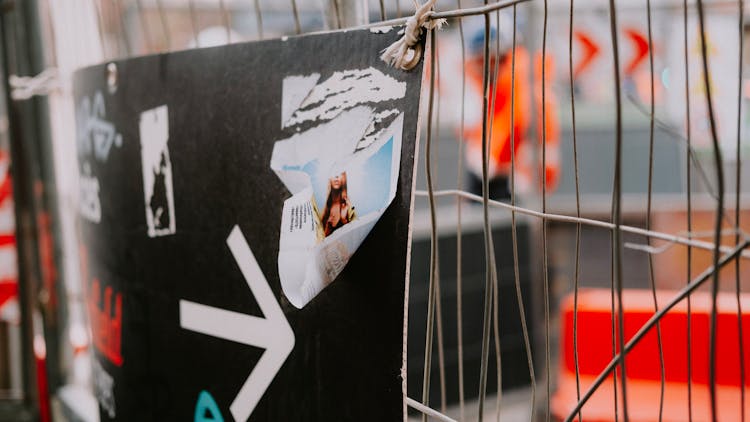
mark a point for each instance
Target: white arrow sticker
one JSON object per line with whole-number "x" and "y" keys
{"x": 272, "y": 332}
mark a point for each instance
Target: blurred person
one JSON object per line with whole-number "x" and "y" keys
{"x": 499, "y": 119}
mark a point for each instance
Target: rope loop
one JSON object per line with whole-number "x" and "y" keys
{"x": 406, "y": 52}
{"x": 25, "y": 87}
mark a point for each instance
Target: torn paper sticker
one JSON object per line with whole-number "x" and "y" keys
{"x": 341, "y": 91}
{"x": 158, "y": 191}
{"x": 342, "y": 173}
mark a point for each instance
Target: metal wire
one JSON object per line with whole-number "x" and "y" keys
{"x": 652, "y": 282}
{"x": 485, "y": 222}
{"x": 144, "y": 25}
{"x": 719, "y": 212}
{"x": 475, "y": 11}
{"x": 514, "y": 227}
{"x": 587, "y": 221}
{"x": 459, "y": 237}
{"x": 123, "y": 29}
{"x": 225, "y": 20}
{"x": 668, "y": 245}
{"x": 337, "y": 11}
{"x": 545, "y": 258}
{"x": 297, "y": 25}
{"x": 738, "y": 183}
{"x": 495, "y": 276}
{"x": 613, "y": 326}
{"x": 689, "y": 205}
{"x": 450, "y": 14}
{"x": 495, "y": 300}
{"x": 576, "y": 274}
{"x": 433, "y": 237}
{"x": 164, "y": 25}
{"x": 617, "y": 208}
{"x": 99, "y": 26}
{"x": 194, "y": 23}
{"x": 438, "y": 297}
{"x": 440, "y": 338}
{"x": 258, "y": 18}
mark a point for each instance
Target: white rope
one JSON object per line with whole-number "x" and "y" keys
{"x": 25, "y": 87}
{"x": 406, "y": 52}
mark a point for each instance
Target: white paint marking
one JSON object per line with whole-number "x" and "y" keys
{"x": 272, "y": 332}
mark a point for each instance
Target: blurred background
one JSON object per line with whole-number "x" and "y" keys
{"x": 668, "y": 163}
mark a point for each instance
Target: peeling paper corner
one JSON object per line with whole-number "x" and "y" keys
{"x": 342, "y": 173}
{"x": 296, "y": 89}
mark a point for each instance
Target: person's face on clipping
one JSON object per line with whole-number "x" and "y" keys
{"x": 338, "y": 210}
{"x": 337, "y": 181}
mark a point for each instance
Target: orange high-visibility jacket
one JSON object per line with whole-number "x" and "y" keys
{"x": 499, "y": 116}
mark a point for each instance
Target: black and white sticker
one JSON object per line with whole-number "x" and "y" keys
{"x": 158, "y": 191}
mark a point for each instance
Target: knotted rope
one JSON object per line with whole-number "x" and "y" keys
{"x": 25, "y": 87}
{"x": 407, "y": 51}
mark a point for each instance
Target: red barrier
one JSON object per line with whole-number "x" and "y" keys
{"x": 8, "y": 290}
{"x": 642, "y": 363}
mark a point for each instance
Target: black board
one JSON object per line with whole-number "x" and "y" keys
{"x": 223, "y": 106}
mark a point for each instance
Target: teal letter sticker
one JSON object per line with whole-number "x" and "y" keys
{"x": 206, "y": 409}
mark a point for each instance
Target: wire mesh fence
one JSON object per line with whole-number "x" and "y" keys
{"x": 552, "y": 166}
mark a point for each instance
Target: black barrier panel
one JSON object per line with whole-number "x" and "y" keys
{"x": 178, "y": 201}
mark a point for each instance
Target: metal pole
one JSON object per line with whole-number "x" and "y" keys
{"x": 51, "y": 288}
{"x": 24, "y": 213}
{"x": 346, "y": 13}
{"x": 37, "y": 231}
